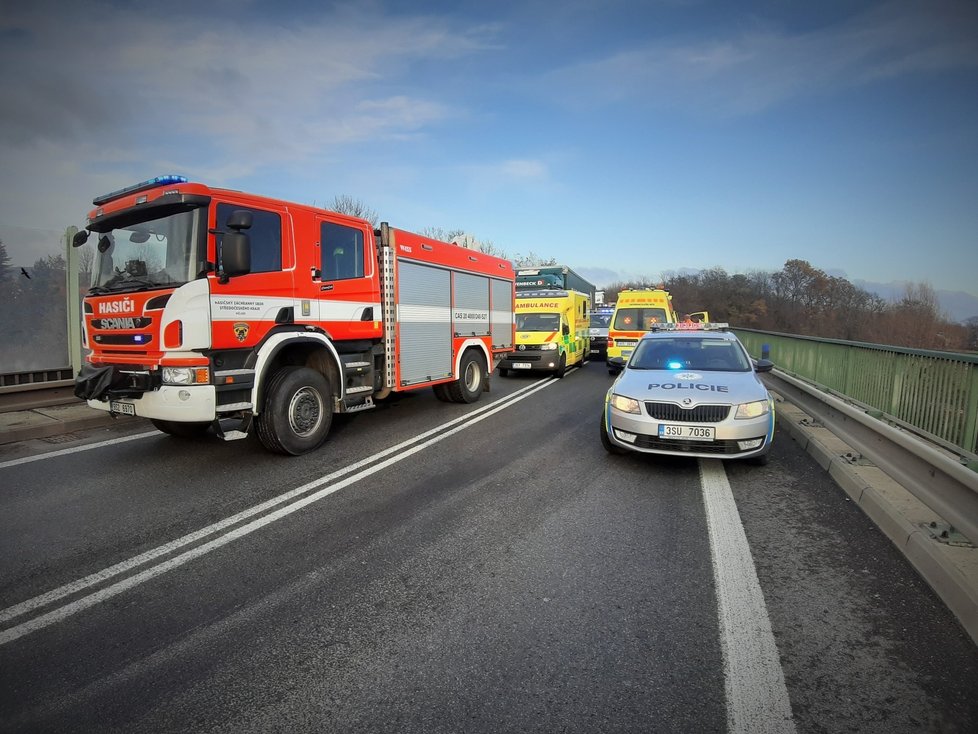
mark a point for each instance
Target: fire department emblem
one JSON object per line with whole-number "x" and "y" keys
{"x": 241, "y": 331}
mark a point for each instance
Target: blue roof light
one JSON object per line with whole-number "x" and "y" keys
{"x": 150, "y": 184}
{"x": 673, "y": 365}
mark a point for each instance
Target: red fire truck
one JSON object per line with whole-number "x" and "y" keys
{"x": 212, "y": 308}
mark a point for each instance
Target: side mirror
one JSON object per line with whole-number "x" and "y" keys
{"x": 235, "y": 255}
{"x": 763, "y": 365}
{"x": 80, "y": 238}
{"x": 564, "y": 329}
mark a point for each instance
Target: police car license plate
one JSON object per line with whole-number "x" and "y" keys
{"x": 117, "y": 406}
{"x": 687, "y": 433}
{"x": 521, "y": 365}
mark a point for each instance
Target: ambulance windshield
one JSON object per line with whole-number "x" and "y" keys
{"x": 149, "y": 254}
{"x": 547, "y": 323}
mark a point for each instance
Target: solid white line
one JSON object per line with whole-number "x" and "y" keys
{"x": 757, "y": 697}
{"x": 76, "y": 449}
{"x": 405, "y": 450}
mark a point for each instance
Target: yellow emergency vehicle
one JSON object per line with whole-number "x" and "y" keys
{"x": 552, "y": 332}
{"x": 635, "y": 313}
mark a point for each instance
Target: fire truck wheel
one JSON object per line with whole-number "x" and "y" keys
{"x": 441, "y": 392}
{"x": 180, "y": 430}
{"x": 561, "y": 367}
{"x": 471, "y": 379}
{"x": 297, "y": 413}
{"x": 606, "y": 442}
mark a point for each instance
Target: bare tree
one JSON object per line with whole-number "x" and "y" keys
{"x": 490, "y": 248}
{"x": 346, "y": 204}
{"x": 531, "y": 259}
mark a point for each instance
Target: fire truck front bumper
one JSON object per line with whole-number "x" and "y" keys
{"x": 180, "y": 403}
{"x": 139, "y": 393}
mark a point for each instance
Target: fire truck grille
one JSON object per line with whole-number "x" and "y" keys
{"x": 678, "y": 414}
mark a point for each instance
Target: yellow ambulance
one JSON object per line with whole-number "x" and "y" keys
{"x": 552, "y": 332}
{"x": 635, "y": 313}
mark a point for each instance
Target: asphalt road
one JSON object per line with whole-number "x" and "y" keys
{"x": 439, "y": 567}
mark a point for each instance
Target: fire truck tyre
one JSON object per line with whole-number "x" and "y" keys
{"x": 606, "y": 442}
{"x": 180, "y": 430}
{"x": 471, "y": 379}
{"x": 561, "y": 367}
{"x": 298, "y": 411}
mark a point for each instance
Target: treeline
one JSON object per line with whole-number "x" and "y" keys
{"x": 33, "y": 314}
{"x": 801, "y": 299}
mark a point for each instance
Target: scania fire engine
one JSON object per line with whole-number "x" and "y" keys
{"x": 212, "y": 308}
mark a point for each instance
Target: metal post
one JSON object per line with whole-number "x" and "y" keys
{"x": 74, "y": 312}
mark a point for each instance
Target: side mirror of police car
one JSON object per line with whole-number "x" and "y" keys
{"x": 763, "y": 365}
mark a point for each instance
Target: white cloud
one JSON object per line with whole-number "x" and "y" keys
{"x": 748, "y": 71}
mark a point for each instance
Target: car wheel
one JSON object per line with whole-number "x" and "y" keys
{"x": 606, "y": 442}
{"x": 561, "y": 367}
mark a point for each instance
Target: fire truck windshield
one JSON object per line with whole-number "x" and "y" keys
{"x": 150, "y": 254}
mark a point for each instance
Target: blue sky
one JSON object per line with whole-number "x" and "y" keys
{"x": 625, "y": 139}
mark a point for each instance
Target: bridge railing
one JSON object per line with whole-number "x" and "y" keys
{"x": 932, "y": 393}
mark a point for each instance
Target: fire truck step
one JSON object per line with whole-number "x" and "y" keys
{"x": 357, "y": 364}
{"x": 233, "y": 435}
{"x": 357, "y": 390}
{"x": 231, "y": 407}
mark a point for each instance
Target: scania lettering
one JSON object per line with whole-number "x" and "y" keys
{"x": 217, "y": 309}
{"x": 551, "y": 332}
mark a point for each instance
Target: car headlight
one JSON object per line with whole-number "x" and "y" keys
{"x": 626, "y": 405}
{"x": 752, "y": 410}
{"x": 549, "y": 346}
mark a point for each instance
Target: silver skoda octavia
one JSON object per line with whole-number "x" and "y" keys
{"x": 690, "y": 390}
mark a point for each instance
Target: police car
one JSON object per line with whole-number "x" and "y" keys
{"x": 690, "y": 389}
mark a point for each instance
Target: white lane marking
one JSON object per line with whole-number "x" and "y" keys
{"x": 757, "y": 697}
{"x": 405, "y": 450}
{"x": 76, "y": 449}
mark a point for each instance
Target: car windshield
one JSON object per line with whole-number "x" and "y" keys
{"x": 600, "y": 320}
{"x": 547, "y": 323}
{"x": 690, "y": 353}
{"x": 150, "y": 254}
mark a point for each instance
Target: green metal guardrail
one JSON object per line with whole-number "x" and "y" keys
{"x": 935, "y": 393}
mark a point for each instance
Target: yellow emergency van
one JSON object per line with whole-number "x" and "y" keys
{"x": 552, "y": 332}
{"x": 635, "y": 313}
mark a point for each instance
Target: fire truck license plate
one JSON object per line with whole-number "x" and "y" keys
{"x": 521, "y": 365}
{"x": 688, "y": 433}
{"x": 125, "y": 408}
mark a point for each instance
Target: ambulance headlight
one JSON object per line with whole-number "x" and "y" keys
{"x": 549, "y": 347}
{"x": 626, "y": 405}
{"x": 752, "y": 410}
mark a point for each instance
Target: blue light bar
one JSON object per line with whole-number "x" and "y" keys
{"x": 150, "y": 184}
